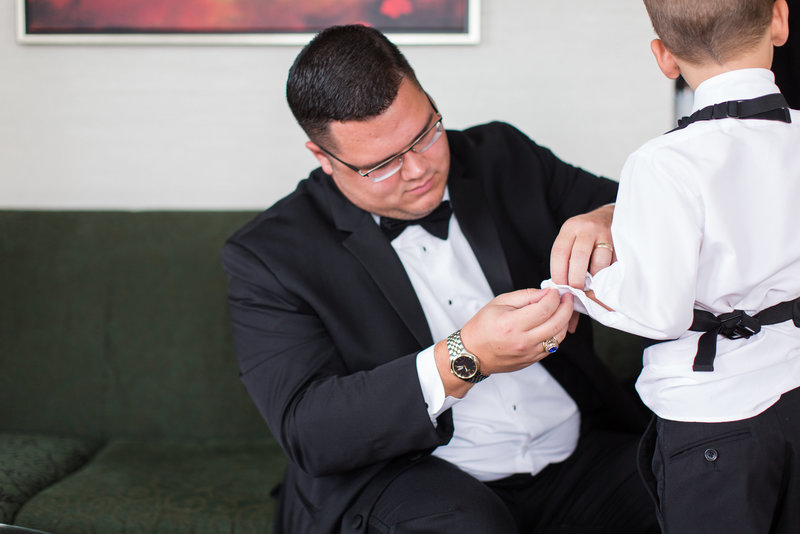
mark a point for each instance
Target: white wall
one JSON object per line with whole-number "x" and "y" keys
{"x": 182, "y": 127}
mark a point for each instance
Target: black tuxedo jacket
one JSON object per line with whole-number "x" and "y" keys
{"x": 327, "y": 325}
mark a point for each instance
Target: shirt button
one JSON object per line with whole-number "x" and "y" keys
{"x": 357, "y": 521}
{"x": 711, "y": 455}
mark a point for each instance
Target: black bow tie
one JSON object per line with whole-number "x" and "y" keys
{"x": 436, "y": 222}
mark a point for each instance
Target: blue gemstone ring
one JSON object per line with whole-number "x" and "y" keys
{"x": 550, "y": 345}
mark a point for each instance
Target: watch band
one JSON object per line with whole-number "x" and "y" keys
{"x": 455, "y": 347}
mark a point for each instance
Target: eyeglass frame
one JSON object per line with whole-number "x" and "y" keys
{"x": 436, "y": 125}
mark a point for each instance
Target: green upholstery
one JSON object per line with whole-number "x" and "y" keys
{"x": 115, "y": 336}
{"x": 116, "y": 324}
{"x": 620, "y": 351}
{"x": 30, "y": 463}
{"x": 213, "y": 487}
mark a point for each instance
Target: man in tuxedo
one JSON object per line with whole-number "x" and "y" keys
{"x": 414, "y": 379}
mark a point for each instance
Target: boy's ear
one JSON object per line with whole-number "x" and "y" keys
{"x": 321, "y": 156}
{"x": 780, "y": 23}
{"x": 665, "y": 59}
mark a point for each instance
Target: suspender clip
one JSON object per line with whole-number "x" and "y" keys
{"x": 725, "y": 109}
{"x": 737, "y": 324}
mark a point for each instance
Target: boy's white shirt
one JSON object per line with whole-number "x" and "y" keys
{"x": 707, "y": 218}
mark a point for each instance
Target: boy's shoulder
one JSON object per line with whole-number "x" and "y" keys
{"x": 678, "y": 140}
{"x": 707, "y": 151}
{"x": 673, "y": 156}
{"x": 708, "y": 132}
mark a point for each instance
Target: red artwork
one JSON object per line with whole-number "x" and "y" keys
{"x": 241, "y": 16}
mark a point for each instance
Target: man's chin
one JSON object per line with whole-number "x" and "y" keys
{"x": 432, "y": 201}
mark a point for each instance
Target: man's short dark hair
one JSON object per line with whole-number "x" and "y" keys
{"x": 345, "y": 73}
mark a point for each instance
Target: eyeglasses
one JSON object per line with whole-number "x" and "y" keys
{"x": 392, "y": 165}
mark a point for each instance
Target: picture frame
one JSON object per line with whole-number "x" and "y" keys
{"x": 241, "y": 22}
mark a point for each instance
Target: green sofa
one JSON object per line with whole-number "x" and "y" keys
{"x": 121, "y": 410}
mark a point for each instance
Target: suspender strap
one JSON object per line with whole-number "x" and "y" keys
{"x": 734, "y": 325}
{"x": 737, "y": 324}
{"x": 768, "y": 107}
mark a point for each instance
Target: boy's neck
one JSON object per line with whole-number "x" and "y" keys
{"x": 696, "y": 73}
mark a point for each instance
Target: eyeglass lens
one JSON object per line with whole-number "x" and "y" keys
{"x": 392, "y": 166}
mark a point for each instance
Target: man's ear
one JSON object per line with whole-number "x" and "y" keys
{"x": 322, "y": 157}
{"x": 665, "y": 59}
{"x": 780, "y": 23}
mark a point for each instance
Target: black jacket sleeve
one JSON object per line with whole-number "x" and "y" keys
{"x": 328, "y": 418}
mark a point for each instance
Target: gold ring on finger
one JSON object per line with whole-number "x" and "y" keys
{"x": 550, "y": 345}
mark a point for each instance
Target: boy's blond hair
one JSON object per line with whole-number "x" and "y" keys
{"x": 699, "y": 31}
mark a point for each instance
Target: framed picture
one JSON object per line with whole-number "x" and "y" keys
{"x": 241, "y": 22}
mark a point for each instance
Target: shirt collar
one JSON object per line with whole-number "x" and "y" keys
{"x": 742, "y": 84}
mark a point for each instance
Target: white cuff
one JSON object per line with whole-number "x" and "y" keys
{"x": 612, "y": 319}
{"x": 432, "y": 386}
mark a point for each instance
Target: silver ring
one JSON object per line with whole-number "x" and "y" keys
{"x": 608, "y": 246}
{"x": 550, "y": 345}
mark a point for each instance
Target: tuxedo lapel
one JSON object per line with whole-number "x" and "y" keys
{"x": 369, "y": 245}
{"x": 475, "y": 219}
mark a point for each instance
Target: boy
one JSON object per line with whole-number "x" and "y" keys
{"x": 705, "y": 220}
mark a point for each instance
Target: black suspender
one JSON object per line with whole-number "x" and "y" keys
{"x": 737, "y": 324}
{"x": 769, "y": 107}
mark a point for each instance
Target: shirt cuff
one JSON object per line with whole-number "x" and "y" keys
{"x": 432, "y": 386}
{"x": 582, "y": 303}
{"x": 612, "y": 319}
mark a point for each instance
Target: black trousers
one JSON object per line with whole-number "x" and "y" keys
{"x": 740, "y": 476}
{"x": 595, "y": 491}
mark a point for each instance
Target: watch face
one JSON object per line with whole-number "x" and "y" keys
{"x": 465, "y": 366}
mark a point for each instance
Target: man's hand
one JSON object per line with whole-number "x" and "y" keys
{"x": 576, "y": 252}
{"x": 583, "y": 245}
{"x": 507, "y": 334}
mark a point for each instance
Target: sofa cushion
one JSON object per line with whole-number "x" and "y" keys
{"x": 133, "y": 486}
{"x": 30, "y": 463}
{"x": 116, "y": 324}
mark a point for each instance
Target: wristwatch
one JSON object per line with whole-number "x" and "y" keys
{"x": 463, "y": 364}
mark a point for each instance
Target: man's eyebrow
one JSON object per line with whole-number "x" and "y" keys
{"x": 427, "y": 125}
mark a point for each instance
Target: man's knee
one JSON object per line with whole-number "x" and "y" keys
{"x": 436, "y": 496}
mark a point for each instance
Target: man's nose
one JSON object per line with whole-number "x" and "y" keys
{"x": 414, "y": 166}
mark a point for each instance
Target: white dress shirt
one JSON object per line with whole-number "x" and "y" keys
{"x": 509, "y": 423}
{"x": 707, "y": 218}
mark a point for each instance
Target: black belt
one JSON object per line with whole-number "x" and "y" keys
{"x": 735, "y": 325}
